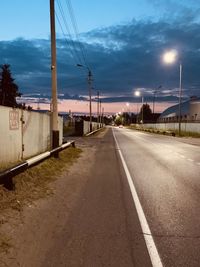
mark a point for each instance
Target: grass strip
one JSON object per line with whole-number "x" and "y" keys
{"x": 33, "y": 184}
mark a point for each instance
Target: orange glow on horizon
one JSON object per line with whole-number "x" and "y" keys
{"x": 77, "y": 106}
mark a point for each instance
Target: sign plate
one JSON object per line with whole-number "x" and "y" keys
{"x": 14, "y": 119}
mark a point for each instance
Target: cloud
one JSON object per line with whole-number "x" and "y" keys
{"x": 175, "y": 10}
{"x": 122, "y": 58}
{"x": 138, "y": 62}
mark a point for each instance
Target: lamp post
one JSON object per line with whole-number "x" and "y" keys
{"x": 142, "y": 109}
{"x": 169, "y": 58}
{"x": 127, "y": 114}
{"x": 154, "y": 97}
{"x": 100, "y": 112}
{"x": 90, "y": 91}
{"x": 98, "y": 109}
{"x": 138, "y": 93}
{"x": 180, "y": 98}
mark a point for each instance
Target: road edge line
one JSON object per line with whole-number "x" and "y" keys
{"x": 151, "y": 247}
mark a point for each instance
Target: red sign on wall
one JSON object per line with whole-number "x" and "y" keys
{"x": 14, "y": 119}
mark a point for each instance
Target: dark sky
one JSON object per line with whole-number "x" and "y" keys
{"x": 122, "y": 57}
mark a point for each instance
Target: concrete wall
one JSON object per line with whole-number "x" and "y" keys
{"x": 10, "y": 135}
{"x": 86, "y": 126}
{"x": 185, "y": 126}
{"x": 194, "y": 110}
{"x": 24, "y": 134}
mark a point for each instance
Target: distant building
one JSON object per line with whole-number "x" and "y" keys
{"x": 190, "y": 111}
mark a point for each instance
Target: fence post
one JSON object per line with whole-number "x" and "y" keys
{"x": 22, "y": 133}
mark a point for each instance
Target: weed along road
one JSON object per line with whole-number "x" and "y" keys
{"x": 130, "y": 199}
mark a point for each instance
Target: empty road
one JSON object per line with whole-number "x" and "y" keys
{"x": 131, "y": 200}
{"x": 166, "y": 176}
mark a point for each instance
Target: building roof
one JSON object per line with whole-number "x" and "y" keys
{"x": 174, "y": 110}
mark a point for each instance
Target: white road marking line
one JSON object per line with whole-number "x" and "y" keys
{"x": 191, "y": 160}
{"x": 182, "y": 156}
{"x": 151, "y": 247}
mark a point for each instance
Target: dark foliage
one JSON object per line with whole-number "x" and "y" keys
{"x": 8, "y": 88}
{"x": 147, "y": 113}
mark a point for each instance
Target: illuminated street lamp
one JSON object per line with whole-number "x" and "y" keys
{"x": 128, "y": 111}
{"x": 138, "y": 93}
{"x": 169, "y": 58}
{"x": 154, "y": 96}
{"x": 128, "y": 105}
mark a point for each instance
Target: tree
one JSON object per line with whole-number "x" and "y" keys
{"x": 119, "y": 119}
{"x": 147, "y": 113}
{"x": 8, "y": 88}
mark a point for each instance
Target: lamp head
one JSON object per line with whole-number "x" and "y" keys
{"x": 137, "y": 93}
{"x": 170, "y": 57}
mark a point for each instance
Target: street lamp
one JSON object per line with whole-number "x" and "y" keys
{"x": 90, "y": 91}
{"x": 169, "y": 58}
{"x": 127, "y": 114}
{"x": 138, "y": 93}
{"x": 154, "y": 96}
{"x": 98, "y": 109}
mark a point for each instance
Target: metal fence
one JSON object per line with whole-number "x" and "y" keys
{"x": 24, "y": 134}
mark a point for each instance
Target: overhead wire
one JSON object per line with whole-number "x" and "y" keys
{"x": 75, "y": 46}
{"x": 76, "y": 31}
{"x": 71, "y": 43}
{"x": 67, "y": 41}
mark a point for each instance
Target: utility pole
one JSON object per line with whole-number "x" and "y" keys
{"x": 100, "y": 112}
{"x": 154, "y": 97}
{"x": 90, "y": 96}
{"x": 54, "y": 111}
{"x": 142, "y": 109}
{"x": 180, "y": 99}
{"x": 98, "y": 109}
{"x": 90, "y": 91}
{"x": 102, "y": 116}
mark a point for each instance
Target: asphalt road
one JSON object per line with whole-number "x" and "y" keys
{"x": 103, "y": 228}
{"x": 166, "y": 175}
{"x": 94, "y": 218}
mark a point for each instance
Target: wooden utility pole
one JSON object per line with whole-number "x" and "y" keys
{"x": 98, "y": 109}
{"x": 100, "y": 112}
{"x": 90, "y": 96}
{"x": 54, "y": 111}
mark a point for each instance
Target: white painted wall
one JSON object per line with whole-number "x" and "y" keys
{"x": 60, "y": 127}
{"x": 36, "y": 133}
{"x": 185, "y": 126}
{"x": 86, "y": 126}
{"x": 10, "y": 135}
{"x": 32, "y": 129}
{"x": 194, "y": 110}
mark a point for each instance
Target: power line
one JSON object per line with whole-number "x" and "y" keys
{"x": 78, "y": 53}
{"x": 68, "y": 30}
{"x": 75, "y": 26}
{"x": 67, "y": 41}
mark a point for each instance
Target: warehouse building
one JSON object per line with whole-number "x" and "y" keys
{"x": 190, "y": 111}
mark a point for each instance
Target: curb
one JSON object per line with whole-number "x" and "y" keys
{"x": 88, "y": 134}
{"x": 7, "y": 175}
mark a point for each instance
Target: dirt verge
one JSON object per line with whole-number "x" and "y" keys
{"x": 31, "y": 185}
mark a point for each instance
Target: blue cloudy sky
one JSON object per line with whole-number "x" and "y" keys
{"x": 123, "y": 45}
